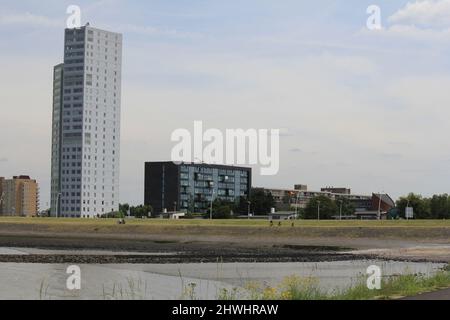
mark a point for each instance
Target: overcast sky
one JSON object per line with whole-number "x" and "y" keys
{"x": 369, "y": 110}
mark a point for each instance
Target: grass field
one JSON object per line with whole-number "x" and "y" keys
{"x": 230, "y": 222}
{"x": 258, "y": 230}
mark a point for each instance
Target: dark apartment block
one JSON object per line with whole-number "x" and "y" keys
{"x": 190, "y": 187}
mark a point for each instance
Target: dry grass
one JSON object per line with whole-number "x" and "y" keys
{"x": 414, "y": 229}
{"x": 230, "y": 222}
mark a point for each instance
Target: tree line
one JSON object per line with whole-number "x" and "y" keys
{"x": 260, "y": 202}
{"x": 434, "y": 207}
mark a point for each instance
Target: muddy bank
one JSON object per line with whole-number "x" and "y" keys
{"x": 210, "y": 244}
{"x": 182, "y": 258}
{"x": 54, "y": 250}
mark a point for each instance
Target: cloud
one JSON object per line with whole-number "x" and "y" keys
{"x": 156, "y": 31}
{"x": 286, "y": 132}
{"x": 426, "y": 13}
{"x": 421, "y": 20}
{"x": 295, "y": 150}
{"x": 387, "y": 155}
{"x": 413, "y": 33}
{"x": 3, "y": 159}
{"x": 30, "y": 19}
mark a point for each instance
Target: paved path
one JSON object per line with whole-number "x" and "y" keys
{"x": 437, "y": 295}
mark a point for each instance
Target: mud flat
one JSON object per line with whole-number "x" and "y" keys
{"x": 153, "y": 241}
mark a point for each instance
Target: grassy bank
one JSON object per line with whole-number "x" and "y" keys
{"x": 296, "y": 288}
{"x": 171, "y": 229}
{"x": 228, "y": 222}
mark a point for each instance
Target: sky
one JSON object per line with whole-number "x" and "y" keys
{"x": 358, "y": 108}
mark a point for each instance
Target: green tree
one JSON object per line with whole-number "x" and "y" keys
{"x": 222, "y": 209}
{"x": 137, "y": 211}
{"x": 261, "y": 201}
{"x": 328, "y": 208}
{"x": 348, "y": 207}
{"x": 420, "y": 205}
{"x": 285, "y": 203}
{"x": 242, "y": 206}
{"x": 141, "y": 211}
{"x": 123, "y": 209}
{"x": 439, "y": 206}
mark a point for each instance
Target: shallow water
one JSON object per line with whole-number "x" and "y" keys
{"x": 171, "y": 281}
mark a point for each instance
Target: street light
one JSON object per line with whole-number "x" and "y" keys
{"x": 379, "y": 207}
{"x": 296, "y": 205}
{"x": 318, "y": 210}
{"x": 406, "y": 211}
{"x": 248, "y": 212}
{"x": 58, "y": 204}
{"x": 210, "y": 212}
{"x": 1, "y": 199}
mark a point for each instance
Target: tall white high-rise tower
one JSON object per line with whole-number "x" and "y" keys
{"x": 86, "y": 124}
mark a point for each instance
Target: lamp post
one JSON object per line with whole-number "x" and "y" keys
{"x": 58, "y": 204}
{"x": 318, "y": 210}
{"x": 379, "y": 207}
{"x": 211, "y": 209}
{"x": 340, "y": 209}
{"x": 248, "y": 212}
{"x": 406, "y": 215}
{"x": 1, "y": 200}
{"x": 296, "y": 204}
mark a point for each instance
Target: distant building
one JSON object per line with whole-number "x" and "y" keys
{"x": 190, "y": 187}
{"x": 381, "y": 205}
{"x": 286, "y": 198}
{"x": 336, "y": 190}
{"x": 300, "y": 197}
{"x": 20, "y": 196}
{"x": 283, "y": 198}
{"x": 382, "y": 201}
{"x": 282, "y": 215}
{"x": 1, "y": 194}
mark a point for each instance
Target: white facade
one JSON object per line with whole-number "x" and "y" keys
{"x": 89, "y": 125}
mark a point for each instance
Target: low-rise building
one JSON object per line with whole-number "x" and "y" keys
{"x": 336, "y": 190}
{"x": 283, "y": 215}
{"x": 1, "y": 194}
{"x": 20, "y": 197}
{"x": 286, "y": 199}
